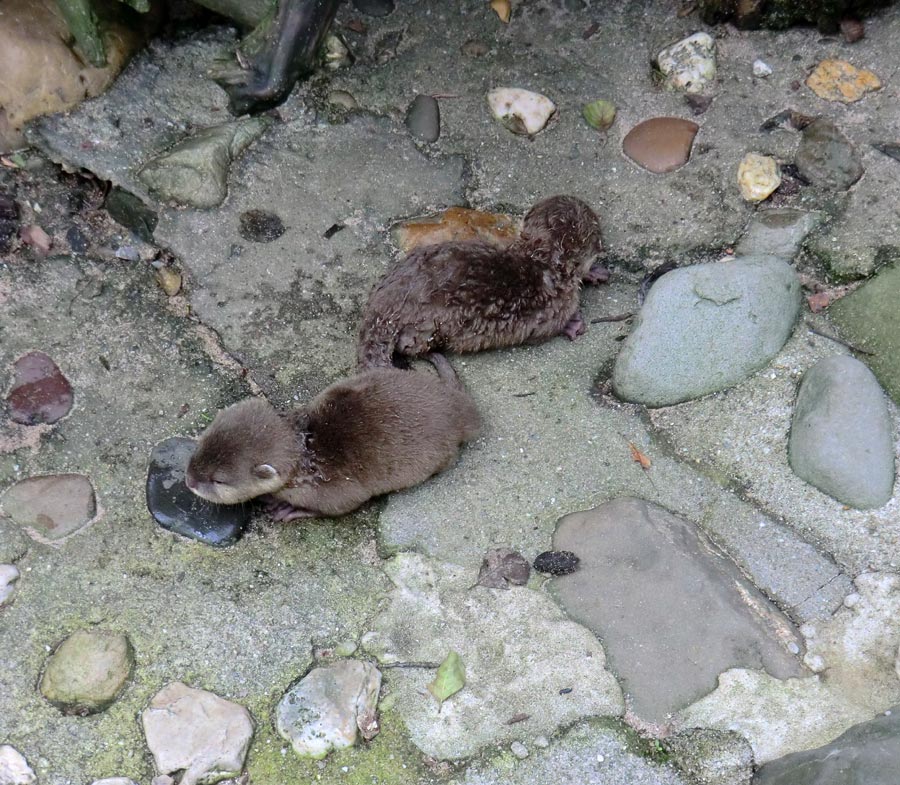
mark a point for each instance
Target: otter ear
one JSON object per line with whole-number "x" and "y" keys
{"x": 265, "y": 471}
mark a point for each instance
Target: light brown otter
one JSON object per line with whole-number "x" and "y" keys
{"x": 377, "y": 432}
{"x": 469, "y": 296}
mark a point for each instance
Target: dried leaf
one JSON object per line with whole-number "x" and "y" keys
{"x": 450, "y": 678}
{"x": 638, "y": 457}
{"x": 502, "y": 567}
{"x": 821, "y": 300}
{"x": 368, "y": 725}
{"x": 503, "y": 9}
{"x": 590, "y": 31}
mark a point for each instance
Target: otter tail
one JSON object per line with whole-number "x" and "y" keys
{"x": 444, "y": 369}
{"x": 376, "y": 345}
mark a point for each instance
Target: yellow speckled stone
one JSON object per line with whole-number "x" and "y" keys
{"x": 837, "y": 80}
{"x": 758, "y": 177}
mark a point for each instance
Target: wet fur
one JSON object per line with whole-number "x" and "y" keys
{"x": 470, "y": 296}
{"x": 377, "y": 432}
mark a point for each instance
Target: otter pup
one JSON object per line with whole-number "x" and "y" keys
{"x": 471, "y": 295}
{"x": 380, "y": 431}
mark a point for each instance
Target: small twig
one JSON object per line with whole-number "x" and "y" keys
{"x": 834, "y": 338}
{"x": 524, "y": 395}
{"x": 425, "y": 665}
{"x": 445, "y": 95}
{"x": 620, "y": 317}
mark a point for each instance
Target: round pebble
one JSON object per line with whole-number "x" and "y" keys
{"x": 423, "y": 119}
{"x": 9, "y": 575}
{"x": 14, "y": 769}
{"x": 260, "y": 226}
{"x": 761, "y": 69}
{"x": 689, "y": 64}
{"x": 39, "y": 393}
{"x": 556, "y": 562}
{"x": 475, "y": 48}
{"x": 519, "y": 750}
{"x": 521, "y": 111}
{"x": 53, "y": 506}
{"x": 660, "y": 144}
{"x": 758, "y": 177}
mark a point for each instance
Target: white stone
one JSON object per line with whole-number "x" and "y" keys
{"x": 761, "y": 69}
{"x": 519, "y": 750}
{"x": 197, "y": 731}
{"x": 690, "y": 64}
{"x": 322, "y": 711}
{"x": 758, "y": 177}
{"x": 521, "y": 111}
{"x": 518, "y": 649}
{"x": 114, "y": 781}
{"x": 542, "y": 742}
{"x": 14, "y": 769}
{"x": 9, "y": 574}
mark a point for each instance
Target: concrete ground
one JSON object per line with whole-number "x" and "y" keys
{"x": 280, "y": 319}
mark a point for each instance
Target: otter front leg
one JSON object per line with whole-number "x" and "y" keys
{"x": 284, "y": 512}
{"x": 597, "y": 274}
{"x": 575, "y": 326}
{"x": 288, "y": 52}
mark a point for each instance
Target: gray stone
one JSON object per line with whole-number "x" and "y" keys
{"x": 323, "y": 710}
{"x": 590, "y": 753}
{"x": 841, "y": 435}
{"x": 705, "y": 328}
{"x": 519, "y": 750}
{"x": 664, "y": 600}
{"x": 9, "y": 575}
{"x": 867, "y": 317}
{"x": 14, "y": 769}
{"x": 87, "y": 671}
{"x": 827, "y": 158}
{"x": 53, "y": 507}
{"x": 198, "y": 732}
{"x": 194, "y": 172}
{"x": 711, "y": 757}
{"x": 777, "y": 232}
{"x": 423, "y": 118}
{"x": 867, "y": 754}
{"x": 374, "y": 7}
{"x": 518, "y": 650}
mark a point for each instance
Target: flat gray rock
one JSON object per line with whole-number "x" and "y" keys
{"x": 520, "y": 653}
{"x": 827, "y": 158}
{"x": 51, "y": 507}
{"x": 705, "y": 328}
{"x": 841, "y": 435}
{"x": 672, "y": 611}
{"x": 867, "y": 754}
{"x": 322, "y": 711}
{"x": 198, "y": 732}
{"x": 777, "y": 232}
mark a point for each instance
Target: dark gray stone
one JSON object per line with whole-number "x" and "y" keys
{"x": 424, "y": 118}
{"x": 132, "y": 213}
{"x": 705, "y": 328}
{"x": 672, "y": 611}
{"x": 841, "y": 436}
{"x": 175, "y": 508}
{"x": 778, "y": 232}
{"x": 374, "y": 7}
{"x": 867, "y": 754}
{"x": 827, "y": 158}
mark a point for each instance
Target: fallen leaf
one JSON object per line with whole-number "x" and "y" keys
{"x": 591, "y": 30}
{"x": 450, "y": 678}
{"x": 638, "y": 457}
{"x": 519, "y": 717}
{"x": 32, "y": 234}
{"x": 503, "y": 9}
{"x": 821, "y": 300}
{"x": 368, "y": 725}
{"x": 502, "y": 567}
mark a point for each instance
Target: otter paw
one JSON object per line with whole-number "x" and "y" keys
{"x": 597, "y": 274}
{"x": 574, "y": 327}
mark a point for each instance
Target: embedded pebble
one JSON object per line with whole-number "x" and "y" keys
{"x": 198, "y": 732}
{"x": 758, "y": 177}
{"x": 337, "y": 55}
{"x": 660, "y": 144}
{"x": 705, "y": 328}
{"x": 556, "y": 562}
{"x": 519, "y": 750}
{"x": 841, "y": 434}
{"x": 53, "y": 506}
{"x": 128, "y": 210}
{"x": 475, "y": 48}
{"x": 342, "y": 99}
{"x": 128, "y": 253}
{"x": 541, "y": 742}
{"x": 838, "y": 80}
{"x": 521, "y": 111}
{"x": 87, "y": 671}
{"x": 761, "y": 69}
{"x": 826, "y": 157}
{"x": 777, "y": 232}
{"x": 374, "y": 7}
{"x": 78, "y": 243}
{"x": 169, "y": 280}
{"x": 260, "y": 226}
{"x": 690, "y": 64}
{"x": 457, "y": 223}
{"x": 39, "y": 393}
{"x": 322, "y": 712}
{"x": 14, "y": 769}
{"x": 852, "y": 30}
{"x": 423, "y": 118}
{"x": 9, "y": 575}
{"x": 176, "y": 508}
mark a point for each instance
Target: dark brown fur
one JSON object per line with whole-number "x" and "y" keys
{"x": 469, "y": 296}
{"x": 377, "y": 432}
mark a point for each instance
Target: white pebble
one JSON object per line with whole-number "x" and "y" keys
{"x": 9, "y": 574}
{"x": 761, "y": 69}
{"x": 14, "y": 769}
{"x": 521, "y": 111}
{"x": 519, "y": 750}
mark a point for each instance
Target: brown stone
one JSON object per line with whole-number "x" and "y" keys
{"x": 53, "y": 506}
{"x": 660, "y": 144}
{"x": 458, "y": 223}
{"x": 39, "y": 393}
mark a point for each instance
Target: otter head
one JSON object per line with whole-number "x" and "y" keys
{"x": 247, "y": 450}
{"x": 569, "y": 227}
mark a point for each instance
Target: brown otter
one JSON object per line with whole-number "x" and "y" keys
{"x": 380, "y": 431}
{"x": 471, "y": 295}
